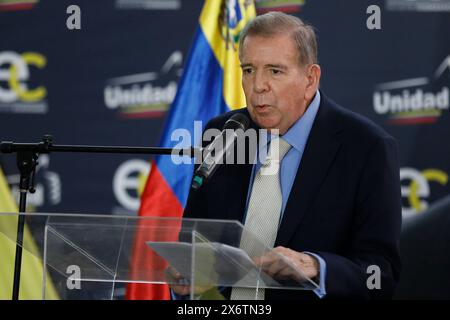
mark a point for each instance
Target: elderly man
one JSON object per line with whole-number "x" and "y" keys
{"x": 334, "y": 209}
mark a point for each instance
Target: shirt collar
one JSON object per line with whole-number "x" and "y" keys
{"x": 297, "y": 135}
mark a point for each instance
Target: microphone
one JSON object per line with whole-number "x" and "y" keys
{"x": 212, "y": 161}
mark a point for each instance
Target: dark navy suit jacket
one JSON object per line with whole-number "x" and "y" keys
{"x": 344, "y": 205}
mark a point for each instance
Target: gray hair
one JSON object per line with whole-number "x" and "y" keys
{"x": 273, "y": 23}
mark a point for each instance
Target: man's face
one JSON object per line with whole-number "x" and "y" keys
{"x": 275, "y": 85}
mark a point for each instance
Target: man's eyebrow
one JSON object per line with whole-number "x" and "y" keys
{"x": 277, "y": 66}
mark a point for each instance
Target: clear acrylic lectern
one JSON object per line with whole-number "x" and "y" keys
{"x": 94, "y": 256}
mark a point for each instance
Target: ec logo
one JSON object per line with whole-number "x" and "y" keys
{"x": 419, "y": 187}
{"x": 129, "y": 181}
{"x": 17, "y": 73}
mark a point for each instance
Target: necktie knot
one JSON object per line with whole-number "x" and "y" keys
{"x": 277, "y": 150}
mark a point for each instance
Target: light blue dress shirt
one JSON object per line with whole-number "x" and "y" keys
{"x": 296, "y": 136}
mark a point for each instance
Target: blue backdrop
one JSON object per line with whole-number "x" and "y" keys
{"x": 112, "y": 81}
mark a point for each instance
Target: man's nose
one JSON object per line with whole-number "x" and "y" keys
{"x": 261, "y": 83}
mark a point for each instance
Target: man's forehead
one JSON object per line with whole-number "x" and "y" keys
{"x": 258, "y": 50}
{"x": 271, "y": 39}
{"x": 272, "y": 42}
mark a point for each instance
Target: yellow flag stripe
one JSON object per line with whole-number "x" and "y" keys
{"x": 32, "y": 268}
{"x": 226, "y": 52}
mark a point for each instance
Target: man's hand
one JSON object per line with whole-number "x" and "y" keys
{"x": 177, "y": 282}
{"x": 180, "y": 285}
{"x": 279, "y": 262}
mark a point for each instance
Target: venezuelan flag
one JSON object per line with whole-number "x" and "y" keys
{"x": 210, "y": 85}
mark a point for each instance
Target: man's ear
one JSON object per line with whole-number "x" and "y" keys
{"x": 313, "y": 73}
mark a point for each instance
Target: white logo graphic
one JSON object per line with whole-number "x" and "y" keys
{"x": 418, "y": 187}
{"x": 418, "y": 5}
{"x": 410, "y": 101}
{"x": 73, "y": 22}
{"x": 137, "y": 95}
{"x": 374, "y": 20}
{"x": 73, "y": 281}
{"x": 48, "y": 185}
{"x": 374, "y": 280}
{"x": 127, "y": 181}
{"x": 15, "y": 94}
{"x": 149, "y": 4}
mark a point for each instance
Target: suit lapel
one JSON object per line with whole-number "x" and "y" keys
{"x": 320, "y": 151}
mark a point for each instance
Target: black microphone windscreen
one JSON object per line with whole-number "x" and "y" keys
{"x": 237, "y": 121}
